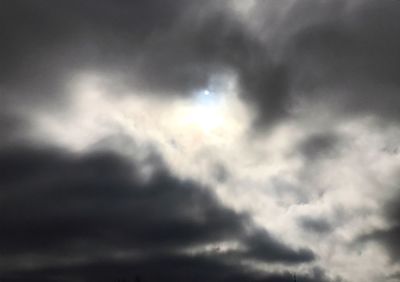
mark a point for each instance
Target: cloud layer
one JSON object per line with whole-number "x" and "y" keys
{"x": 199, "y": 140}
{"x": 67, "y": 215}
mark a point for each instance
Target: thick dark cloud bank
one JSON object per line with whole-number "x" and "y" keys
{"x": 93, "y": 217}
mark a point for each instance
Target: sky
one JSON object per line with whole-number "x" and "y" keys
{"x": 200, "y": 140}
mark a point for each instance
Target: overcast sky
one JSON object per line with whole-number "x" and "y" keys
{"x": 200, "y": 140}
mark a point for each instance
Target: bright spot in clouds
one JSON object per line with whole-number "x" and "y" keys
{"x": 209, "y": 117}
{"x": 207, "y": 111}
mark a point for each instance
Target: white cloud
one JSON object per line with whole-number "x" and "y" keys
{"x": 267, "y": 177}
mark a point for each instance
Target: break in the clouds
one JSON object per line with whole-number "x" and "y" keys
{"x": 193, "y": 140}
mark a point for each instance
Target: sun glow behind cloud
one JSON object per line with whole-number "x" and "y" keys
{"x": 207, "y": 111}
{"x": 211, "y": 117}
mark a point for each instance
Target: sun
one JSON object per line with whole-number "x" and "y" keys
{"x": 206, "y": 111}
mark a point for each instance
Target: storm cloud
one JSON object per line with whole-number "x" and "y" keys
{"x": 173, "y": 47}
{"x": 95, "y": 207}
{"x": 344, "y": 54}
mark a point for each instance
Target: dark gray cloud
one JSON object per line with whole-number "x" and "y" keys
{"x": 346, "y": 55}
{"x": 56, "y": 205}
{"x": 321, "y": 51}
{"x": 170, "y": 268}
{"x": 320, "y": 145}
{"x": 45, "y": 42}
{"x": 317, "y": 225}
{"x": 12, "y": 127}
{"x": 260, "y": 247}
{"x": 388, "y": 237}
{"x": 162, "y": 46}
